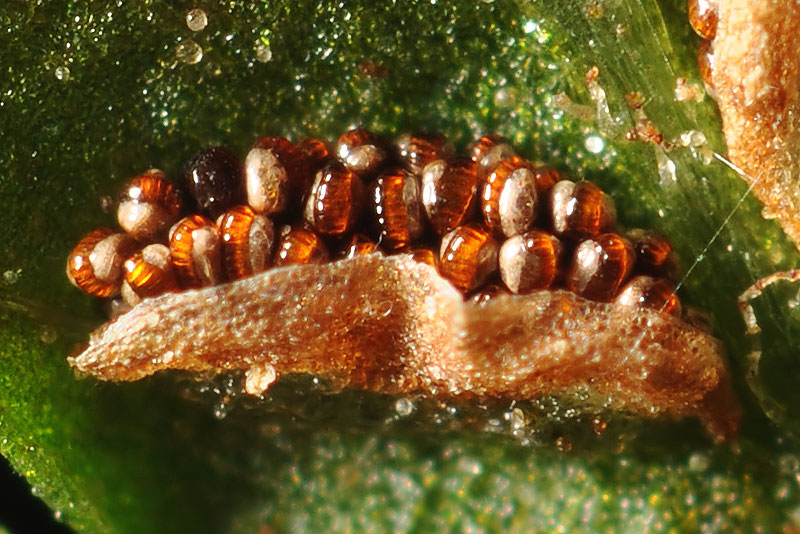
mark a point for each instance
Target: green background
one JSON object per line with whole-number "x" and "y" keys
{"x": 92, "y": 93}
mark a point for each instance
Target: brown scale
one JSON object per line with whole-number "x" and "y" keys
{"x": 418, "y": 150}
{"x": 509, "y": 199}
{"x": 490, "y": 150}
{"x": 467, "y": 256}
{"x": 648, "y": 292}
{"x": 149, "y": 273}
{"x": 396, "y": 208}
{"x": 95, "y": 264}
{"x": 196, "y": 250}
{"x": 530, "y": 261}
{"x": 148, "y": 205}
{"x": 247, "y": 240}
{"x": 703, "y": 17}
{"x": 705, "y": 63}
{"x": 335, "y": 201}
{"x": 600, "y": 266}
{"x": 361, "y": 151}
{"x": 276, "y": 172}
{"x": 449, "y": 192}
{"x": 299, "y": 246}
{"x": 580, "y": 210}
{"x": 357, "y": 245}
{"x": 654, "y": 254}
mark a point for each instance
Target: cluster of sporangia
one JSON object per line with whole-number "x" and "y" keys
{"x": 491, "y": 222}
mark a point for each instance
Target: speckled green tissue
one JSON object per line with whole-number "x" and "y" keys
{"x": 94, "y": 92}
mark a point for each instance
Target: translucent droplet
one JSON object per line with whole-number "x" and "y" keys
{"x": 563, "y": 444}
{"x": 196, "y": 20}
{"x": 62, "y": 74}
{"x": 11, "y": 277}
{"x": 599, "y": 426}
{"x": 189, "y": 52}
{"x": 48, "y": 335}
{"x": 221, "y": 410}
{"x": 263, "y": 53}
{"x": 403, "y": 407}
{"x": 699, "y": 462}
{"x": 594, "y": 144}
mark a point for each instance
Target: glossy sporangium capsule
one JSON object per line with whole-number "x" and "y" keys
{"x": 418, "y": 150}
{"x": 148, "y": 205}
{"x": 361, "y": 151}
{"x": 703, "y": 17}
{"x": 424, "y": 255}
{"x": 705, "y": 64}
{"x": 196, "y": 250}
{"x": 654, "y": 254}
{"x": 335, "y": 201}
{"x": 449, "y": 192}
{"x": 95, "y": 264}
{"x": 213, "y": 178}
{"x": 530, "y": 261}
{"x": 316, "y": 151}
{"x": 656, "y": 293}
{"x": 275, "y": 171}
{"x": 600, "y": 266}
{"x": 467, "y": 256}
{"x": 490, "y": 150}
{"x": 357, "y": 245}
{"x": 247, "y": 241}
{"x": 580, "y": 210}
{"x": 508, "y": 202}
{"x": 299, "y": 246}
{"x": 396, "y": 207}
{"x": 546, "y": 178}
{"x": 487, "y": 293}
{"x": 149, "y": 273}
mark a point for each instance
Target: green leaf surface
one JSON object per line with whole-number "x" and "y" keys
{"x": 92, "y": 93}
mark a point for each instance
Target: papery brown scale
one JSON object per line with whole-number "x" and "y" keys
{"x": 406, "y": 330}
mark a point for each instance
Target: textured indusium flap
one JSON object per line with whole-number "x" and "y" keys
{"x": 392, "y": 325}
{"x": 755, "y": 77}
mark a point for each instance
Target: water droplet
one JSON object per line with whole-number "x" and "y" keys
{"x": 196, "y": 20}
{"x": 403, "y": 407}
{"x": 516, "y": 419}
{"x": 263, "y": 53}
{"x": 599, "y": 426}
{"x": 189, "y": 52}
{"x": 221, "y": 410}
{"x": 62, "y": 74}
{"x": 789, "y": 464}
{"x": 594, "y": 144}
{"x": 563, "y": 444}
{"x": 48, "y": 335}
{"x": 11, "y": 277}
{"x": 698, "y": 462}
